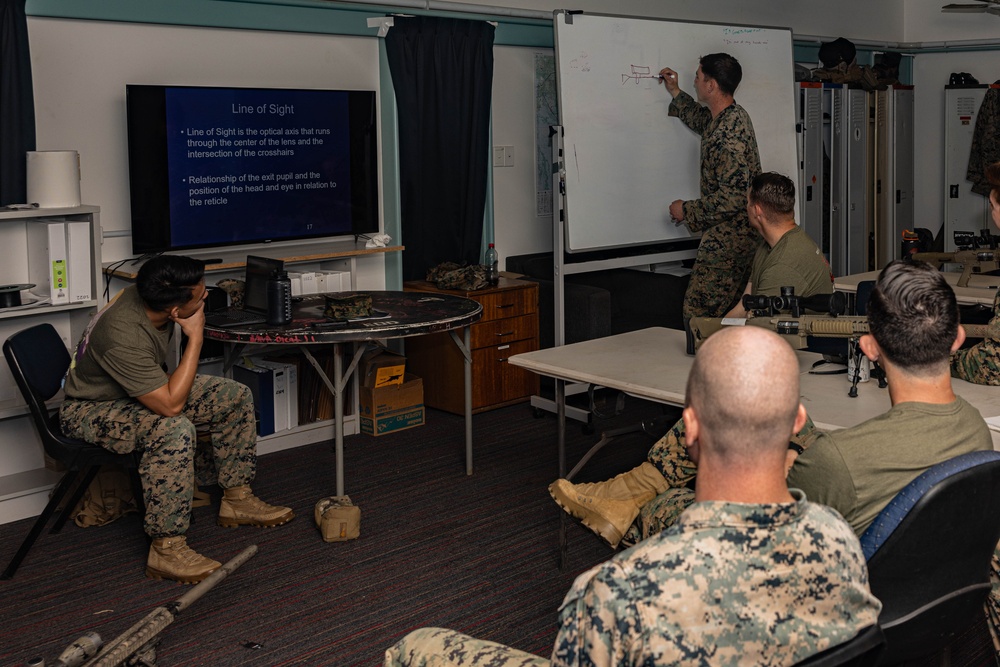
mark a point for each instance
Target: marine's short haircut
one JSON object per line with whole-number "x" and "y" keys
{"x": 724, "y": 69}
{"x": 744, "y": 387}
{"x": 913, "y": 315}
{"x": 774, "y": 192}
{"x": 169, "y": 280}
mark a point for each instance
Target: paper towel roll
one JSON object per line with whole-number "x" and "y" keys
{"x": 53, "y": 178}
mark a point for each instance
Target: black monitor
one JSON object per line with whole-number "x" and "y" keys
{"x": 213, "y": 166}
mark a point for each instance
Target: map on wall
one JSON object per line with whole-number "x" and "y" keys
{"x": 546, "y": 115}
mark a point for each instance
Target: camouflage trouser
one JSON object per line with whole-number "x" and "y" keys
{"x": 670, "y": 456}
{"x": 993, "y": 602}
{"x": 168, "y": 444}
{"x": 714, "y": 287}
{"x": 438, "y": 647}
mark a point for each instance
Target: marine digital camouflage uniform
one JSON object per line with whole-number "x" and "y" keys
{"x": 980, "y": 364}
{"x": 729, "y": 161}
{"x": 729, "y": 584}
{"x": 168, "y": 444}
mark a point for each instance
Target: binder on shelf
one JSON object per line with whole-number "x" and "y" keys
{"x": 289, "y": 382}
{"x": 79, "y": 271}
{"x": 47, "y": 259}
{"x": 279, "y": 374}
{"x": 261, "y": 383}
{"x": 308, "y": 279}
{"x": 335, "y": 281}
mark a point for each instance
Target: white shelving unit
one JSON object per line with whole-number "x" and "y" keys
{"x": 24, "y": 480}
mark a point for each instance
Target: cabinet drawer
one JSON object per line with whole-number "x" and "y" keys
{"x": 497, "y": 332}
{"x": 508, "y": 303}
{"x": 497, "y": 381}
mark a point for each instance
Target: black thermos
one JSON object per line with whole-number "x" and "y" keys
{"x": 279, "y": 299}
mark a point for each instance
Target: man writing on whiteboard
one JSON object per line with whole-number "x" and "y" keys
{"x": 729, "y": 162}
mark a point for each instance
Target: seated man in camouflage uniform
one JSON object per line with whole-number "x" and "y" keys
{"x": 788, "y": 257}
{"x": 980, "y": 364}
{"x": 751, "y": 573}
{"x": 119, "y": 396}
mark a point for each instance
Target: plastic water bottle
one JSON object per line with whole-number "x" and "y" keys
{"x": 492, "y": 265}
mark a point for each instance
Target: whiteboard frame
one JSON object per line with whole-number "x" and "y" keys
{"x": 779, "y": 150}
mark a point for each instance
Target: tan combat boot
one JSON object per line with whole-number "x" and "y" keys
{"x": 609, "y": 508}
{"x": 240, "y": 507}
{"x": 171, "y": 558}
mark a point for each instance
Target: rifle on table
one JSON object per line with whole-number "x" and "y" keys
{"x": 972, "y": 261}
{"x": 137, "y": 645}
{"x": 797, "y": 330}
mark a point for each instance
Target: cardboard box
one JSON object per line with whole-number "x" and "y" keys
{"x": 382, "y": 368}
{"x": 393, "y": 407}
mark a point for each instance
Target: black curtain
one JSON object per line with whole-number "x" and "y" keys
{"x": 442, "y": 74}
{"x": 17, "y": 104}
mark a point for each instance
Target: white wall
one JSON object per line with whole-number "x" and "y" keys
{"x": 857, "y": 19}
{"x": 926, "y": 25}
{"x": 931, "y": 72}
{"x": 517, "y": 229}
{"x": 80, "y": 68}
{"x": 924, "y": 21}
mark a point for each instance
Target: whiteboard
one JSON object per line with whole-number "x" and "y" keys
{"x": 624, "y": 158}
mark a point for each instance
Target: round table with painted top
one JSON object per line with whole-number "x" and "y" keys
{"x": 395, "y": 315}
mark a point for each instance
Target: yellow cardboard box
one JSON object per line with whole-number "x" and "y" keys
{"x": 392, "y": 407}
{"x": 381, "y": 368}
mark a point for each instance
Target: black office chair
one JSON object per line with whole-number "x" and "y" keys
{"x": 864, "y": 650}
{"x": 929, "y": 554}
{"x": 38, "y": 361}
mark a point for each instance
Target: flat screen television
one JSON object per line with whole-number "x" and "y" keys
{"x": 212, "y": 166}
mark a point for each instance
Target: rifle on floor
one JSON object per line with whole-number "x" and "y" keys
{"x": 137, "y": 645}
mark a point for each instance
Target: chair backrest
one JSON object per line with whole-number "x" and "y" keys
{"x": 862, "y": 295}
{"x": 929, "y": 553}
{"x": 38, "y": 360}
{"x": 863, "y": 650}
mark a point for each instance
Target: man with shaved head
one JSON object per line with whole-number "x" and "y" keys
{"x": 751, "y": 573}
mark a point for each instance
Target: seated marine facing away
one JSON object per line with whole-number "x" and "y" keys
{"x": 119, "y": 396}
{"x": 788, "y": 257}
{"x": 751, "y": 573}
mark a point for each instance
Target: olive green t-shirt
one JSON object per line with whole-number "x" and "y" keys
{"x": 124, "y": 356}
{"x": 794, "y": 261}
{"x": 858, "y": 470}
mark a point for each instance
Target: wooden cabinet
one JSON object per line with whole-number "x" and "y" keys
{"x": 509, "y": 326}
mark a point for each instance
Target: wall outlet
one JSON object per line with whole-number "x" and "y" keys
{"x": 498, "y": 156}
{"x": 508, "y": 156}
